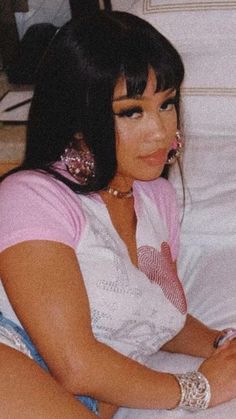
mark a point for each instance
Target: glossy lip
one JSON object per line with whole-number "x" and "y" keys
{"x": 156, "y": 158}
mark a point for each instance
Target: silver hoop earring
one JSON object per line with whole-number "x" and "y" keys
{"x": 176, "y": 149}
{"x": 80, "y": 164}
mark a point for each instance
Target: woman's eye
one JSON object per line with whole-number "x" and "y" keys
{"x": 168, "y": 105}
{"x": 133, "y": 113}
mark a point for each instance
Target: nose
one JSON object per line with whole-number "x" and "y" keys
{"x": 157, "y": 130}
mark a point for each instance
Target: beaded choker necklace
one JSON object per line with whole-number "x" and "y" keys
{"x": 118, "y": 194}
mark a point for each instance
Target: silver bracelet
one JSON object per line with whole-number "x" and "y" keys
{"x": 195, "y": 391}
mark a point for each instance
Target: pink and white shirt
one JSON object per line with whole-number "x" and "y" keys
{"x": 134, "y": 310}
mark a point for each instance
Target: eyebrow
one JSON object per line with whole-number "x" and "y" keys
{"x": 124, "y": 97}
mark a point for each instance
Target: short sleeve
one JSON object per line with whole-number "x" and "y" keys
{"x": 35, "y": 206}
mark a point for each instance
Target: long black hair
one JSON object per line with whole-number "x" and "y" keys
{"x": 75, "y": 85}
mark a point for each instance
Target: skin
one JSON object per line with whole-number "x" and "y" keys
{"x": 143, "y": 136}
{"x": 27, "y": 392}
{"x": 46, "y": 288}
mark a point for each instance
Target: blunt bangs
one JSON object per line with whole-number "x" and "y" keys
{"x": 126, "y": 46}
{"x": 149, "y": 53}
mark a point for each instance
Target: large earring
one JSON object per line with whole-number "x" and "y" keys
{"x": 80, "y": 164}
{"x": 176, "y": 149}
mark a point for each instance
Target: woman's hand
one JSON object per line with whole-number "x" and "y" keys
{"x": 220, "y": 370}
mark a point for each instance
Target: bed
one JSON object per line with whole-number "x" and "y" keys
{"x": 205, "y": 35}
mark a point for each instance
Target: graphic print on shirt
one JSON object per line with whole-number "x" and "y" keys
{"x": 158, "y": 267}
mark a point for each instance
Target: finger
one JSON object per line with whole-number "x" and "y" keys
{"x": 222, "y": 347}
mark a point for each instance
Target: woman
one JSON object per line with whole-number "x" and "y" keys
{"x": 89, "y": 230}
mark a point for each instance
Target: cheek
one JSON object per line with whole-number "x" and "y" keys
{"x": 131, "y": 134}
{"x": 169, "y": 118}
{"x": 126, "y": 150}
{"x": 127, "y": 143}
{"x": 171, "y": 126}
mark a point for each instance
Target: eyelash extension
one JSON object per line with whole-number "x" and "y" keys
{"x": 171, "y": 101}
{"x": 137, "y": 109}
{"x": 129, "y": 111}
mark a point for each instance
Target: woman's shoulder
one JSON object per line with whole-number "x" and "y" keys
{"x": 160, "y": 188}
{"x": 28, "y": 179}
{"x": 162, "y": 193}
{"x": 35, "y": 205}
{"x": 35, "y": 185}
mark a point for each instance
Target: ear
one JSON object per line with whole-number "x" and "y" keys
{"x": 79, "y": 142}
{"x": 78, "y": 136}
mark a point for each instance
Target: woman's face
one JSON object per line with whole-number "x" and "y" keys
{"x": 145, "y": 128}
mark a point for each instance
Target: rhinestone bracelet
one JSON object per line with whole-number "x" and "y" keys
{"x": 195, "y": 391}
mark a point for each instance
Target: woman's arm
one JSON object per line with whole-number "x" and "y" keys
{"x": 46, "y": 289}
{"x": 28, "y": 392}
{"x": 194, "y": 339}
{"x": 45, "y": 286}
